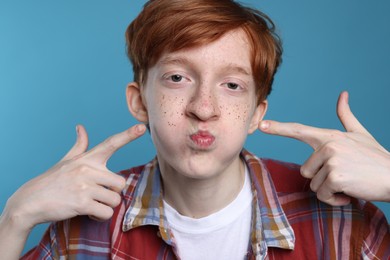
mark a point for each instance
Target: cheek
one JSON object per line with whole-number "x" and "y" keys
{"x": 169, "y": 110}
{"x": 238, "y": 113}
{"x": 164, "y": 118}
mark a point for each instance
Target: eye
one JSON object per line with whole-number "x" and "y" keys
{"x": 176, "y": 78}
{"x": 232, "y": 86}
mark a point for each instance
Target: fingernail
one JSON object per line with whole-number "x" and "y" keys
{"x": 264, "y": 125}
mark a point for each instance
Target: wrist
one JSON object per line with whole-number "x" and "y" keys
{"x": 15, "y": 221}
{"x": 13, "y": 235}
{"x": 387, "y": 179}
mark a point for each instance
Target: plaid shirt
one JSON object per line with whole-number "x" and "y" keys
{"x": 288, "y": 222}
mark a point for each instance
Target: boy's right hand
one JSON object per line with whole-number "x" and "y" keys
{"x": 80, "y": 184}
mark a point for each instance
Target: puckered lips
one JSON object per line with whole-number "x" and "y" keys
{"x": 202, "y": 139}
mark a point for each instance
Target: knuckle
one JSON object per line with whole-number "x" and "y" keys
{"x": 305, "y": 172}
{"x": 298, "y": 128}
{"x": 102, "y": 214}
{"x": 322, "y": 195}
{"x": 334, "y": 179}
{"x": 69, "y": 171}
{"x": 313, "y": 187}
{"x": 82, "y": 169}
{"x": 75, "y": 168}
{"x": 106, "y": 213}
{"x": 332, "y": 166}
{"x": 326, "y": 169}
{"x": 319, "y": 195}
{"x": 64, "y": 166}
{"x": 121, "y": 182}
{"x": 82, "y": 188}
{"x": 110, "y": 212}
{"x": 116, "y": 199}
{"x": 332, "y": 163}
{"x": 118, "y": 183}
{"x": 83, "y": 205}
{"x": 130, "y": 133}
{"x": 330, "y": 148}
{"x": 110, "y": 144}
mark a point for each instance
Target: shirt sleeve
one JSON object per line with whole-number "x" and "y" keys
{"x": 376, "y": 243}
{"x": 80, "y": 237}
{"x": 53, "y": 243}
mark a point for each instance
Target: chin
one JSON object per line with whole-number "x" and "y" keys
{"x": 205, "y": 167}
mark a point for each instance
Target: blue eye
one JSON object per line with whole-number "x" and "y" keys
{"x": 176, "y": 78}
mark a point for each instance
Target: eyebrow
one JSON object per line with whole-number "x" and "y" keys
{"x": 232, "y": 67}
{"x": 238, "y": 69}
{"x": 174, "y": 60}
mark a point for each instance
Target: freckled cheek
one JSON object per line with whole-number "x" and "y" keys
{"x": 237, "y": 113}
{"x": 170, "y": 110}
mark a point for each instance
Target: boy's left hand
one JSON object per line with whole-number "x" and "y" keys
{"x": 343, "y": 164}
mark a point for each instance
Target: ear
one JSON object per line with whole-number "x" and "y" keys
{"x": 135, "y": 102}
{"x": 258, "y": 115}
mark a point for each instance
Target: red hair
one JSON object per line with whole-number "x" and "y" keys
{"x": 172, "y": 25}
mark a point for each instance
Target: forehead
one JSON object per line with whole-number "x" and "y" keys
{"x": 231, "y": 51}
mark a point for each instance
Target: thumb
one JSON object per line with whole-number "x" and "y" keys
{"x": 81, "y": 144}
{"x": 347, "y": 119}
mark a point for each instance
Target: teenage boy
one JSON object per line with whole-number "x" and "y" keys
{"x": 203, "y": 70}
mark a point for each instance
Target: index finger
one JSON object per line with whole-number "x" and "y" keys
{"x": 103, "y": 151}
{"x": 313, "y": 136}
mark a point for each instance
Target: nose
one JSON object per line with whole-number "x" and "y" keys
{"x": 203, "y": 105}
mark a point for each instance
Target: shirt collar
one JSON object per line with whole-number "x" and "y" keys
{"x": 270, "y": 228}
{"x": 146, "y": 205}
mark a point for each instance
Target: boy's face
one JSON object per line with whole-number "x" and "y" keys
{"x": 200, "y": 104}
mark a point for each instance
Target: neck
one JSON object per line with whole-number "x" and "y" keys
{"x": 197, "y": 198}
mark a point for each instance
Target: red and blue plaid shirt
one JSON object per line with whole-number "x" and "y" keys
{"x": 288, "y": 222}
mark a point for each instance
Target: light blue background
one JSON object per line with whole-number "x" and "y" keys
{"x": 64, "y": 63}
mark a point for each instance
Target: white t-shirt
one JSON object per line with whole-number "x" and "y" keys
{"x": 221, "y": 235}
